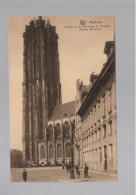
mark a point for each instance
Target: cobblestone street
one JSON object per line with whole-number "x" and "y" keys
{"x": 57, "y": 174}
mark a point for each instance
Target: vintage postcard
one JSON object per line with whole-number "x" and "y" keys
{"x": 62, "y": 82}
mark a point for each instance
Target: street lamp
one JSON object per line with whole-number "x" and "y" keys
{"x": 72, "y": 176}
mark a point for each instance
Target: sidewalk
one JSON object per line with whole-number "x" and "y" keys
{"x": 73, "y": 180}
{"x": 100, "y": 172}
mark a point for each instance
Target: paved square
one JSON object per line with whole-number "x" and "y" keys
{"x": 56, "y": 174}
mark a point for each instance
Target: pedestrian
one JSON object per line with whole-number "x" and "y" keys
{"x": 67, "y": 167}
{"x": 86, "y": 171}
{"x": 24, "y": 174}
{"x": 77, "y": 172}
{"x": 62, "y": 165}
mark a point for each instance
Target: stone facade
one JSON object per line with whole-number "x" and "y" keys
{"x": 58, "y": 145}
{"x": 96, "y": 119}
{"x": 82, "y": 91}
{"x": 41, "y": 84}
{"x": 47, "y": 123}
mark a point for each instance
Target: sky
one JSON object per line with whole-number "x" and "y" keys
{"x": 81, "y": 52}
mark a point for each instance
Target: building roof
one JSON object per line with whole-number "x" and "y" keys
{"x": 63, "y": 110}
{"x": 108, "y": 46}
{"x": 15, "y": 151}
{"x": 85, "y": 88}
{"x": 109, "y": 68}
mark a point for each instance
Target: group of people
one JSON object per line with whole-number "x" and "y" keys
{"x": 85, "y": 171}
{"x": 77, "y": 171}
{"x": 68, "y": 168}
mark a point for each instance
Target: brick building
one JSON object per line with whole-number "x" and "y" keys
{"x": 15, "y": 158}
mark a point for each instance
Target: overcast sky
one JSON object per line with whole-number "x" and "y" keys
{"x": 80, "y": 54}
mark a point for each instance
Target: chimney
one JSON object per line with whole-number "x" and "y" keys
{"x": 93, "y": 78}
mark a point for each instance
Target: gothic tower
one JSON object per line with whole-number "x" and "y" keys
{"x": 41, "y": 83}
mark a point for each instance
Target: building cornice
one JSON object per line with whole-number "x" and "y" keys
{"x": 106, "y": 71}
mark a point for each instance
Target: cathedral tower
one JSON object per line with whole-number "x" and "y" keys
{"x": 41, "y": 83}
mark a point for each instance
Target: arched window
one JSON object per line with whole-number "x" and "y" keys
{"x": 66, "y": 130}
{"x": 68, "y": 150}
{"x": 50, "y": 132}
{"x": 51, "y": 151}
{"x": 42, "y": 152}
{"x": 59, "y": 151}
{"x": 58, "y": 131}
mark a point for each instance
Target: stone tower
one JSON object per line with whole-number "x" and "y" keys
{"x": 41, "y": 83}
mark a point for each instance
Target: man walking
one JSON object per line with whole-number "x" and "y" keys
{"x": 86, "y": 171}
{"x": 62, "y": 165}
{"x": 24, "y": 174}
{"x": 67, "y": 167}
{"x": 77, "y": 171}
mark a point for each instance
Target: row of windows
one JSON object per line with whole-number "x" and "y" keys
{"x": 99, "y": 111}
{"x": 59, "y": 151}
{"x": 98, "y": 135}
{"x": 96, "y": 155}
{"x": 57, "y": 133}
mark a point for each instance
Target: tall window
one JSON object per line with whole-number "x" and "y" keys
{"x": 95, "y": 136}
{"x": 95, "y": 114}
{"x": 111, "y": 152}
{"x": 110, "y": 128}
{"x": 34, "y": 124}
{"x": 50, "y": 132}
{"x": 100, "y": 154}
{"x": 91, "y": 156}
{"x": 33, "y": 100}
{"x": 104, "y": 131}
{"x": 68, "y": 150}
{"x": 58, "y": 131}
{"x": 89, "y": 140}
{"x": 66, "y": 129}
{"x": 91, "y": 118}
{"x": 103, "y": 105}
{"x": 42, "y": 152}
{"x": 99, "y": 137}
{"x": 88, "y": 121}
{"x": 83, "y": 127}
{"x": 51, "y": 151}
{"x": 110, "y": 101}
{"x": 59, "y": 151}
{"x": 95, "y": 155}
{"x": 92, "y": 138}
{"x": 98, "y": 111}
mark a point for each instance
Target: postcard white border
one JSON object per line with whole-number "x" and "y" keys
{"x": 123, "y": 10}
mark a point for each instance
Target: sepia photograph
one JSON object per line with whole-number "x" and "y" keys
{"x": 62, "y": 96}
